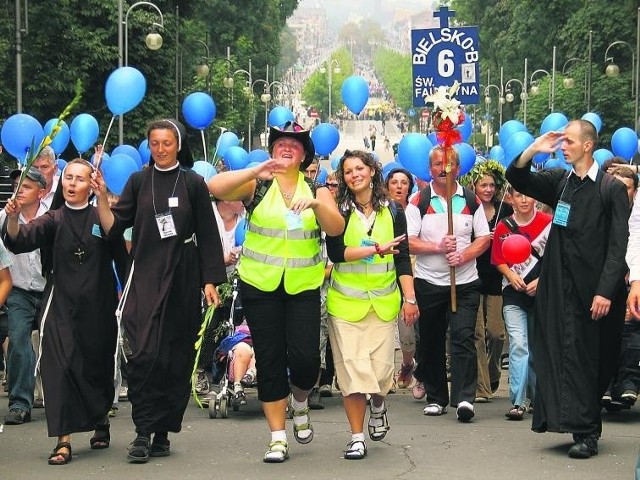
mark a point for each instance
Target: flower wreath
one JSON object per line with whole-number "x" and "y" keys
{"x": 488, "y": 167}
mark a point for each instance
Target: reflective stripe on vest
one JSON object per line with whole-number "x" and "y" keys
{"x": 356, "y": 287}
{"x": 272, "y": 253}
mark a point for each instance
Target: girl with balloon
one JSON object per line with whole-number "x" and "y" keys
{"x": 518, "y": 246}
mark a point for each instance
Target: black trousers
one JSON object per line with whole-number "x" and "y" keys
{"x": 285, "y": 330}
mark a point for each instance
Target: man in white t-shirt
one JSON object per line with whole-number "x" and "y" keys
{"x": 436, "y": 252}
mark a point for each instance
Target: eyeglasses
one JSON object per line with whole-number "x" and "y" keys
{"x": 332, "y": 185}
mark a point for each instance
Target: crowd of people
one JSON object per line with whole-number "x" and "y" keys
{"x": 331, "y": 278}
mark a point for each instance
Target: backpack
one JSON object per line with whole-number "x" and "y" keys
{"x": 604, "y": 190}
{"x": 425, "y": 199}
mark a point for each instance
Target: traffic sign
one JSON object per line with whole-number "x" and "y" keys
{"x": 441, "y": 56}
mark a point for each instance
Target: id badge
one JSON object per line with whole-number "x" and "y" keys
{"x": 293, "y": 220}
{"x": 173, "y": 202}
{"x": 367, "y": 242}
{"x": 561, "y": 215}
{"x": 166, "y": 227}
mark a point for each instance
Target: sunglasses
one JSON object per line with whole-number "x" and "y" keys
{"x": 332, "y": 185}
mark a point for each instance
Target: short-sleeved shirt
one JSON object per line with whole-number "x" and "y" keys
{"x": 433, "y": 226}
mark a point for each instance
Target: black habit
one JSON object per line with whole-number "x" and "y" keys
{"x": 80, "y": 329}
{"x": 162, "y": 313}
{"x": 574, "y": 356}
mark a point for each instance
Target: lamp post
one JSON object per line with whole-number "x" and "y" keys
{"x": 523, "y": 91}
{"x": 535, "y": 87}
{"x": 334, "y": 67}
{"x": 228, "y": 82}
{"x": 499, "y": 89}
{"x": 153, "y": 41}
{"x": 569, "y": 82}
{"x": 612, "y": 70}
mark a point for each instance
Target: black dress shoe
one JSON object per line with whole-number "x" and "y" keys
{"x": 585, "y": 446}
{"x": 17, "y": 416}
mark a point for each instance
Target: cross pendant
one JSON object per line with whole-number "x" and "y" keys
{"x": 80, "y": 254}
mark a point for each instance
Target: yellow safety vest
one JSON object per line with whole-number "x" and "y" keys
{"x": 355, "y": 287}
{"x": 271, "y": 250}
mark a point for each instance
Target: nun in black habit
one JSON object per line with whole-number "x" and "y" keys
{"x": 176, "y": 254}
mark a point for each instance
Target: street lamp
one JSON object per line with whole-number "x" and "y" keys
{"x": 153, "y": 41}
{"x": 499, "y": 89}
{"x": 523, "y": 91}
{"x": 535, "y": 87}
{"x": 228, "y": 82}
{"x": 334, "y": 67}
{"x": 612, "y": 70}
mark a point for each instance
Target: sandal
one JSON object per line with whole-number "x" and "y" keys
{"x": 278, "y": 452}
{"x": 304, "y": 426}
{"x": 356, "y": 450}
{"x": 516, "y": 413}
{"x": 378, "y": 425}
{"x": 101, "y": 439}
{"x": 66, "y": 457}
{"x": 139, "y": 450}
{"x": 160, "y": 448}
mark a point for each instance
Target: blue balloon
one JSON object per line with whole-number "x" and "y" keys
{"x": 117, "y": 170}
{"x": 624, "y": 143}
{"x": 497, "y": 153}
{"x": 19, "y": 133}
{"x": 144, "y": 151}
{"x": 335, "y": 161}
{"x": 517, "y": 143}
{"x": 124, "y": 90}
{"x": 236, "y": 158}
{"x": 355, "y": 93}
{"x": 131, "y": 151}
{"x": 252, "y": 164}
{"x": 554, "y": 163}
{"x": 322, "y": 176}
{"x": 204, "y": 169}
{"x": 413, "y": 154}
{"x": 241, "y": 232}
{"x": 433, "y": 138}
{"x": 602, "y": 155}
{"x": 280, "y": 115}
{"x": 465, "y": 128}
{"x": 390, "y": 166}
{"x": 258, "y": 156}
{"x": 553, "y": 122}
{"x": 467, "y": 156}
{"x": 105, "y": 156}
{"x": 61, "y": 164}
{"x": 508, "y": 128}
{"x": 540, "y": 158}
{"x": 226, "y": 140}
{"x": 593, "y": 118}
{"x": 325, "y": 138}
{"x": 84, "y": 132}
{"x": 199, "y": 110}
{"x": 61, "y": 139}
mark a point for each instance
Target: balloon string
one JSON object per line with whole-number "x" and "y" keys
{"x": 204, "y": 145}
{"x": 104, "y": 142}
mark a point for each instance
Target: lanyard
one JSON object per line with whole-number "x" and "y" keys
{"x": 153, "y": 193}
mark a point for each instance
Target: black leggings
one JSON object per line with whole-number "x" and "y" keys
{"x": 285, "y": 330}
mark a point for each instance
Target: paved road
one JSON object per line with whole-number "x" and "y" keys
{"x": 417, "y": 447}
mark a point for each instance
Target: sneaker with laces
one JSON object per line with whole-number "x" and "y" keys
{"x": 465, "y": 412}
{"x": 405, "y": 375}
{"x": 629, "y": 397}
{"x": 202, "y": 382}
{"x": 17, "y": 416}
{"x": 418, "y": 391}
{"x": 434, "y": 410}
{"x": 325, "y": 391}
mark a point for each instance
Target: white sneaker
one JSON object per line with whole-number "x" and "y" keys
{"x": 434, "y": 410}
{"x": 465, "y": 412}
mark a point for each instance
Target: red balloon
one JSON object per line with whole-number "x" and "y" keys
{"x": 516, "y": 249}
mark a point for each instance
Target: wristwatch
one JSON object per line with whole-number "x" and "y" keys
{"x": 411, "y": 301}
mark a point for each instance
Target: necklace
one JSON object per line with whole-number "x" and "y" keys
{"x": 287, "y": 196}
{"x": 363, "y": 205}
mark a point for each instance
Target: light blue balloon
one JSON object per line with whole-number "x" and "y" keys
{"x": 117, "y": 170}
{"x": 258, "y": 156}
{"x": 390, "y": 166}
{"x": 84, "y": 132}
{"x": 61, "y": 164}
{"x": 241, "y": 232}
{"x": 553, "y": 122}
{"x": 144, "y": 151}
{"x": 252, "y": 164}
{"x": 554, "y": 163}
{"x": 540, "y": 158}
{"x": 105, "y": 156}
{"x": 335, "y": 161}
{"x": 497, "y": 153}
{"x": 602, "y": 155}
{"x": 199, "y": 110}
{"x": 322, "y": 176}
{"x": 594, "y": 118}
{"x": 204, "y": 169}
{"x": 413, "y": 154}
{"x": 355, "y": 93}
{"x": 236, "y": 158}
{"x": 61, "y": 140}
{"x": 19, "y": 133}
{"x": 131, "y": 151}
{"x": 467, "y": 157}
{"x": 508, "y": 128}
{"x": 325, "y": 138}
{"x": 124, "y": 90}
{"x": 226, "y": 140}
{"x": 433, "y": 138}
{"x": 280, "y": 115}
{"x": 465, "y": 128}
{"x": 517, "y": 143}
{"x": 624, "y": 143}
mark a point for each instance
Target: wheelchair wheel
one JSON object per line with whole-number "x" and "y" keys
{"x": 213, "y": 408}
{"x": 224, "y": 407}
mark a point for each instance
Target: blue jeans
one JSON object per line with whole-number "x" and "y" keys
{"x": 522, "y": 378}
{"x": 22, "y": 307}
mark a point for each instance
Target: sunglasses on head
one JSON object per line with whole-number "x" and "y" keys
{"x": 332, "y": 185}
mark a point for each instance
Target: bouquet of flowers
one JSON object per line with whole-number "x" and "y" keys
{"x": 448, "y": 115}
